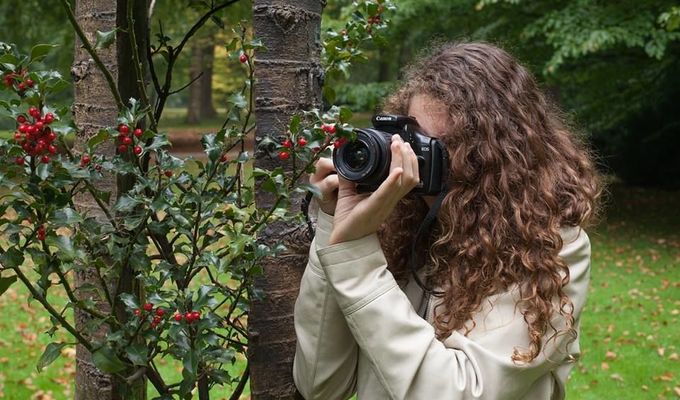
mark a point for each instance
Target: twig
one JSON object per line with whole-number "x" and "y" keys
{"x": 88, "y": 47}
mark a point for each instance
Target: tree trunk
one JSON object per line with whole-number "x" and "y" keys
{"x": 200, "y": 104}
{"x": 289, "y": 78}
{"x": 94, "y": 109}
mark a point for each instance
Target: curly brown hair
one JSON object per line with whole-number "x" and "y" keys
{"x": 518, "y": 174}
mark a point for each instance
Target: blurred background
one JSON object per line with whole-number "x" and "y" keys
{"x": 613, "y": 66}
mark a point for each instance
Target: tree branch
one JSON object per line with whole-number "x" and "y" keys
{"x": 86, "y": 44}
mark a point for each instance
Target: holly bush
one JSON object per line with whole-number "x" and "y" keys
{"x": 187, "y": 228}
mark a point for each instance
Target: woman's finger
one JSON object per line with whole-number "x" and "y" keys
{"x": 324, "y": 167}
{"x": 395, "y": 147}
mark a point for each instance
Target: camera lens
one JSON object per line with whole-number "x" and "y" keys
{"x": 356, "y": 155}
{"x": 365, "y": 160}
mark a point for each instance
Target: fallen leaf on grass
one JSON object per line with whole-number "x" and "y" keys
{"x": 616, "y": 377}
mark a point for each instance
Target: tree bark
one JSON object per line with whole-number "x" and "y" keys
{"x": 94, "y": 109}
{"x": 200, "y": 104}
{"x": 289, "y": 79}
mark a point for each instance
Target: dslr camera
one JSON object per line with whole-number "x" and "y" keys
{"x": 366, "y": 160}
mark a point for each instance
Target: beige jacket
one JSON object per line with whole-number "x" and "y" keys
{"x": 359, "y": 332}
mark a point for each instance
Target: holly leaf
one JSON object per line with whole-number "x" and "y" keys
{"x": 11, "y": 258}
{"x": 107, "y": 361}
{"x": 51, "y": 353}
{"x": 100, "y": 137}
{"x": 105, "y": 39}
{"x": 5, "y": 283}
{"x": 40, "y": 51}
{"x": 137, "y": 353}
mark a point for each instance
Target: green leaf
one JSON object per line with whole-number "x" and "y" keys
{"x": 66, "y": 217}
{"x": 5, "y": 283}
{"x": 65, "y": 246}
{"x": 137, "y": 353}
{"x": 40, "y": 51}
{"x": 107, "y": 361}
{"x": 345, "y": 114}
{"x": 51, "y": 353}
{"x": 125, "y": 204}
{"x": 129, "y": 300}
{"x": 95, "y": 140}
{"x": 105, "y": 39}
{"x": 11, "y": 258}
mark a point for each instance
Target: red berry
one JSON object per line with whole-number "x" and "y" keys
{"x": 44, "y": 159}
{"x": 160, "y": 312}
{"x": 148, "y": 307}
{"x": 287, "y": 144}
{"x": 137, "y": 150}
{"x": 122, "y": 149}
{"x": 21, "y": 119}
{"x": 302, "y": 142}
{"x": 243, "y": 58}
{"x": 19, "y": 161}
{"x": 52, "y": 149}
{"x": 40, "y": 234}
{"x": 328, "y": 128}
{"x": 284, "y": 155}
{"x": 138, "y": 132}
{"x": 168, "y": 173}
{"x": 49, "y": 118}
{"x": 127, "y": 140}
{"x": 84, "y": 160}
{"x": 29, "y": 82}
{"x": 124, "y": 129}
{"x": 338, "y": 143}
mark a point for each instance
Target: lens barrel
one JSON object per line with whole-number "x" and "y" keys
{"x": 365, "y": 160}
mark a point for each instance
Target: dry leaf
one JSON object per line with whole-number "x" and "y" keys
{"x": 616, "y": 377}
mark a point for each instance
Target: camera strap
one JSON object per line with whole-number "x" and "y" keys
{"x": 423, "y": 232}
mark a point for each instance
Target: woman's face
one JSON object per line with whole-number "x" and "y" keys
{"x": 431, "y": 116}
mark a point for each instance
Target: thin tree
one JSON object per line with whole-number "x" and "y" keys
{"x": 97, "y": 100}
{"x": 288, "y": 81}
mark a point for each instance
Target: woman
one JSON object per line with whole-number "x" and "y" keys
{"x": 508, "y": 260}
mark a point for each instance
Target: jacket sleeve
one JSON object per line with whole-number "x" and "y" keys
{"x": 407, "y": 358}
{"x": 326, "y": 355}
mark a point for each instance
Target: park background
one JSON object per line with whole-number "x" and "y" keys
{"x": 614, "y": 68}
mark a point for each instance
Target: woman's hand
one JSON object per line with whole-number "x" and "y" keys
{"x": 359, "y": 215}
{"x": 325, "y": 178}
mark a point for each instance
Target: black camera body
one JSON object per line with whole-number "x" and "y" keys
{"x": 366, "y": 160}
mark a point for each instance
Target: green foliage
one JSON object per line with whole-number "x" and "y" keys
{"x": 366, "y": 96}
